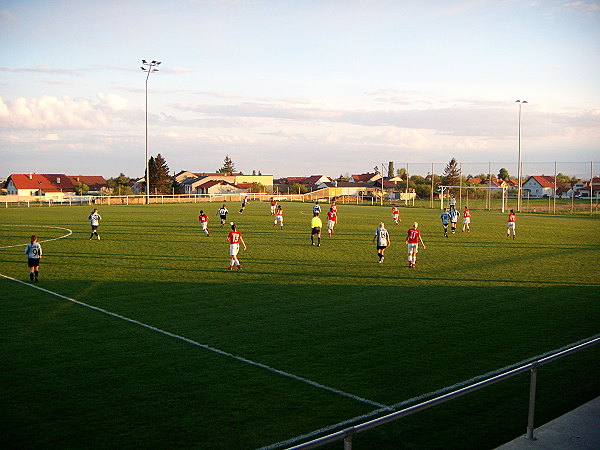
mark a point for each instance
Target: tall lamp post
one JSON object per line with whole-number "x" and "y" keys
{"x": 519, "y": 174}
{"x": 148, "y": 67}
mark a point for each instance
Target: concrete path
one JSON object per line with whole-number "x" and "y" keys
{"x": 577, "y": 430}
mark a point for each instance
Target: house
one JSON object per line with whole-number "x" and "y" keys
{"x": 582, "y": 188}
{"x": 190, "y": 181}
{"x": 216, "y": 187}
{"x": 364, "y": 178}
{"x": 539, "y": 186}
{"x": 53, "y": 185}
{"x": 95, "y": 182}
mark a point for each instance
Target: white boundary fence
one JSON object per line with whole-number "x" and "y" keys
{"x": 348, "y": 434}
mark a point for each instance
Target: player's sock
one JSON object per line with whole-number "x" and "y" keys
{"x": 31, "y": 276}
{"x": 36, "y": 274}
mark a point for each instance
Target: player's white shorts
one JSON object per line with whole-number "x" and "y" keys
{"x": 204, "y": 225}
{"x": 234, "y": 249}
{"x": 395, "y": 217}
{"x": 467, "y": 220}
{"x": 272, "y": 210}
{"x": 330, "y": 224}
{"x": 413, "y": 248}
{"x": 279, "y": 219}
{"x": 511, "y": 225}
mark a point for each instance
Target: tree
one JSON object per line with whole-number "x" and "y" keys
{"x": 120, "y": 185}
{"x": 160, "y": 180}
{"x": 401, "y": 172}
{"x": 376, "y": 169}
{"x": 81, "y": 188}
{"x": 343, "y": 178}
{"x": 391, "y": 172}
{"x": 228, "y": 166}
{"x": 298, "y": 188}
{"x": 503, "y": 174}
{"x": 451, "y": 175}
{"x": 256, "y": 187}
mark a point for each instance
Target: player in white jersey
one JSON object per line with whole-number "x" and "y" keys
{"x": 383, "y": 241}
{"x": 278, "y": 217}
{"x": 223, "y": 215}
{"x": 34, "y": 254}
{"x": 95, "y": 219}
{"x": 317, "y": 208}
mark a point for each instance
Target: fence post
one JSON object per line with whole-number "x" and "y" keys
{"x": 531, "y": 416}
{"x": 348, "y": 440}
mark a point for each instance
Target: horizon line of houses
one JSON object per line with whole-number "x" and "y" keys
{"x": 61, "y": 185}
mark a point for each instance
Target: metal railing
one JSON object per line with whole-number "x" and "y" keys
{"x": 348, "y": 434}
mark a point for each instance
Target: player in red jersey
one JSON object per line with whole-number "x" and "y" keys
{"x": 234, "y": 238}
{"x": 273, "y": 205}
{"x": 331, "y": 220}
{"x": 412, "y": 240}
{"x": 466, "y": 220}
{"x": 396, "y": 214}
{"x": 203, "y": 218}
{"x": 512, "y": 224}
{"x": 279, "y": 217}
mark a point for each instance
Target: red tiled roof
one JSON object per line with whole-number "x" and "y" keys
{"x": 37, "y": 181}
{"x": 94, "y": 182}
{"x": 545, "y": 181}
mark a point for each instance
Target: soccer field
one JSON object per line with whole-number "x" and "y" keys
{"x": 181, "y": 352}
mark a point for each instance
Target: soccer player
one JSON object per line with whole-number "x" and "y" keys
{"x": 445, "y": 216}
{"x": 223, "y": 215}
{"x": 452, "y": 201}
{"x": 34, "y": 254}
{"x": 315, "y": 227}
{"x": 396, "y": 214}
{"x": 94, "y": 219}
{"x": 383, "y": 241}
{"x": 412, "y": 240}
{"x": 203, "y": 218}
{"x": 331, "y": 220}
{"x": 279, "y": 217}
{"x": 317, "y": 208}
{"x": 234, "y": 238}
{"x": 273, "y": 205}
{"x": 512, "y": 224}
{"x": 466, "y": 220}
{"x": 454, "y": 214}
{"x": 244, "y": 203}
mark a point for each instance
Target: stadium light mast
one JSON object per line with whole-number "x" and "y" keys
{"x": 148, "y": 67}
{"x": 519, "y": 174}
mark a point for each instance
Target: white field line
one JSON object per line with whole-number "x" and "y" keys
{"x": 207, "y": 347}
{"x": 400, "y": 405}
{"x": 70, "y": 232}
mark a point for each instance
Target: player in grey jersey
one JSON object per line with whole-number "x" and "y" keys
{"x": 34, "y": 254}
{"x": 95, "y": 219}
{"x": 383, "y": 240}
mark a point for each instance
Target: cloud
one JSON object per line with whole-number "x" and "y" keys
{"x": 48, "y": 112}
{"x": 42, "y": 69}
{"x": 588, "y": 7}
{"x": 51, "y": 137}
{"x": 113, "y": 102}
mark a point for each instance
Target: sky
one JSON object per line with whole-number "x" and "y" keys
{"x": 294, "y": 88}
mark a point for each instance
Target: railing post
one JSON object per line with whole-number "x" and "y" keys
{"x": 531, "y": 416}
{"x": 348, "y": 440}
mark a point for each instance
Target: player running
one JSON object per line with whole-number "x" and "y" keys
{"x": 273, "y": 205}
{"x": 315, "y": 229}
{"x": 279, "y": 217}
{"x": 331, "y": 220}
{"x": 454, "y": 214}
{"x": 412, "y": 240}
{"x": 396, "y": 214}
{"x": 203, "y": 218}
{"x": 34, "y": 254}
{"x": 94, "y": 219}
{"x": 466, "y": 220}
{"x": 512, "y": 224}
{"x": 445, "y": 216}
{"x": 223, "y": 211}
{"x": 244, "y": 203}
{"x": 383, "y": 241}
{"x": 234, "y": 238}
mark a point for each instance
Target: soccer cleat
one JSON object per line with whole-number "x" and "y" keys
{"x": 98, "y": 237}
{"x": 239, "y": 269}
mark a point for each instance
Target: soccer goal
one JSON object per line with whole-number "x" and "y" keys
{"x": 445, "y": 189}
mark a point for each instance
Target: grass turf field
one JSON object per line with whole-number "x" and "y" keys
{"x": 382, "y": 334}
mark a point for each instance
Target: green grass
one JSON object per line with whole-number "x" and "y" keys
{"x": 476, "y": 302}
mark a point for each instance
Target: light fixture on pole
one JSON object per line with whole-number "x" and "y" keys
{"x": 148, "y": 67}
{"x": 519, "y": 174}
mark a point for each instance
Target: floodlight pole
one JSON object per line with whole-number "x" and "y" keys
{"x": 148, "y": 67}
{"x": 519, "y": 174}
